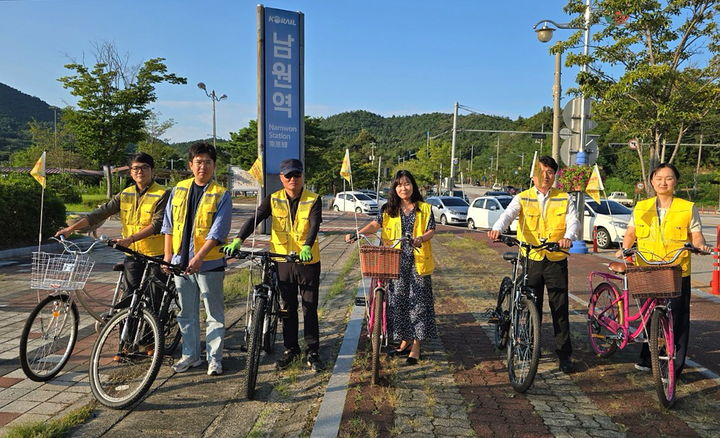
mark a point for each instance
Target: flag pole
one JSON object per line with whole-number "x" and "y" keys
{"x": 42, "y": 207}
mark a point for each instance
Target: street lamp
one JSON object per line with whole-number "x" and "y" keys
{"x": 544, "y": 34}
{"x": 214, "y": 98}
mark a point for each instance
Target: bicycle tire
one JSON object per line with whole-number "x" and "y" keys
{"x": 254, "y": 346}
{"x": 502, "y": 310}
{"x": 171, "y": 328}
{"x": 121, "y": 372}
{"x": 270, "y": 326}
{"x": 662, "y": 355}
{"x": 48, "y": 331}
{"x": 601, "y": 306}
{"x": 524, "y": 346}
{"x": 376, "y": 335}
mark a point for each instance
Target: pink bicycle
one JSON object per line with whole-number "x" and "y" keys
{"x": 610, "y": 322}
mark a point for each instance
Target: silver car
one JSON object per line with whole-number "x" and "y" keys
{"x": 448, "y": 209}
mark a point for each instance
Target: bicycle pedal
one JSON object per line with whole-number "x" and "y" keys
{"x": 283, "y": 313}
{"x": 360, "y": 301}
{"x": 243, "y": 348}
{"x": 494, "y": 319}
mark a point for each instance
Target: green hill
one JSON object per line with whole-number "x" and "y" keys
{"x": 16, "y": 110}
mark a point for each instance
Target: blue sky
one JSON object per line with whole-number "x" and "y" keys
{"x": 387, "y": 57}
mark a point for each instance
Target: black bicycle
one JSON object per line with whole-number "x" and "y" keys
{"x": 128, "y": 352}
{"x": 263, "y": 311}
{"x": 517, "y": 318}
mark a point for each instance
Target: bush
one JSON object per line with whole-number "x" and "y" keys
{"x": 20, "y": 212}
{"x": 65, "y": 186}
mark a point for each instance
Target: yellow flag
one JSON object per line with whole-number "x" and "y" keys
{"x": 38, "y": 171}
{"x": 535, "y": 169}
{"x": 595, "y": 184}
{"x": 257, "y": 170}
{"x": 345, "y": 171}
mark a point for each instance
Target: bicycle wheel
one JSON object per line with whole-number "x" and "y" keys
{"x": 270, "y": 326}
{"x": 376, "y": 334}
{"x": 48, "y": 337}
{"x": 662, "y": 355}
{"x": 502, "y": 313}
{"x": 171, "y": 328}
{"x": 524, "y": 345}
{"x": 605, "y": 318}
{"x": 254, "y": 344}
{"x": 121, "y": 371}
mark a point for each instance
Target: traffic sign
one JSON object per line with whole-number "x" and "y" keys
{"x": 566, "y": 133}
{"x": 572, "y": 115}
{"x": 571, "y": 146}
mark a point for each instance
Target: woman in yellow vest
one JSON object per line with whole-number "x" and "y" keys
{"x": 141, "y": 207}
{"x": 411, "y": 314}
{"x": 661, "y": 225}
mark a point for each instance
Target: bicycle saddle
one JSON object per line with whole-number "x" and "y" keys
{"x": 617, "y": 267}
{"x": 510, "y": 256}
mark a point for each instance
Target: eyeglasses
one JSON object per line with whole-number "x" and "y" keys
{"x": 143, "y": 168}
{"x": 293, "y": 175}
{"x": 205, "y": 163}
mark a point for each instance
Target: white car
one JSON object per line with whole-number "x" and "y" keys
{"x": 380, "y": 201}
{"x": 355, "y": 201}
{"x": 448, "y": 209}
{"x": 611, "y": 219}
{"x": 486, "y": 210}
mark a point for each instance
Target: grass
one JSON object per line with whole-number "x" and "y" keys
{"x": 89, "y": 202}
{"x": 340, "y": 283}
{"x": 53, "y": 428}
{"x": 237, "y": 285}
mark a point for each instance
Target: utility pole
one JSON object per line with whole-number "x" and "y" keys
{"x": 427, "y": 145}
{"x": 557, "y": 91}
{"x": 497, "y": 155}
{"x": 451, "y": 180}
{"x": 697, "y": 168}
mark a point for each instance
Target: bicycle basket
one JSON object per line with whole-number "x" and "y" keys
{"x": 60, "y": 271}
{"x": 654, "y": 281}
{"x": 379, "y": 261}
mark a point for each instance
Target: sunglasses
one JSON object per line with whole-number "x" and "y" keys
{"x": 293, "y": 175}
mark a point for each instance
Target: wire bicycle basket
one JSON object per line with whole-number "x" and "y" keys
{"x": 65, "y": 271}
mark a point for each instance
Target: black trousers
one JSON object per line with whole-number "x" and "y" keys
{"x": 554, "y": 276}
{"x": 680, "y": 307}
{"x": 133, "y": 275}
{"x": 294, "y": 279}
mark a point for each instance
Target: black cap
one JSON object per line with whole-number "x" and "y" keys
{"x": 291, "y": 165}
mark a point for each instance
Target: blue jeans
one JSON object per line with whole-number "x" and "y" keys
{"x": 207, "y": 286}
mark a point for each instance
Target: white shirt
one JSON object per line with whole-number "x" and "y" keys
{"x": 572, "y": 224}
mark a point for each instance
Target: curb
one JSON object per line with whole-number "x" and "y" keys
{"x": 26, "y": 251}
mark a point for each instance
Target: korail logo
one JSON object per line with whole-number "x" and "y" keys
{"x": 281, "y": 20}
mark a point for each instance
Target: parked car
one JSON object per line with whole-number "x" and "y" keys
{"x": 497, "y": 187}
{"x": 611, "y": 219}
{"x": 456, "y": 193}
{"x": 355, "y": 201}
{"x": 448, "y": 209}
{"x": 486, "y": 210}
{"x": 622, "y": 198}
{"x": 512, "y": 190}
{"x": 497, "y": 193}
{"x": 380, "y": 201}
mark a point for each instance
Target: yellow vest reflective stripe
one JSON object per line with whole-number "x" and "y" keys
{"x": 392, "y": 230}
{"x": 136, "y": 213}
{"x": 204, "y": 216}
{"x": 659, "y": 241}
{"x": 288, "y": 235}
{"x": 533, "y": 225}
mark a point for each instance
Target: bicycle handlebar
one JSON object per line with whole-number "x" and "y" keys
{"x": 687, "y": 247}
{"x": 175, "y": 269}
{"x": 73, "y": 247}
{"x": 511, "y": 241}
{"x": 242, "y": 254}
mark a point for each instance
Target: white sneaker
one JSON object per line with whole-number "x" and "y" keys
{"x": 214, "y": 368}
{"x": 185, "y": 363}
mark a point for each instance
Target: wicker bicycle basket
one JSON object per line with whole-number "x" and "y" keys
{"x": 654, "y": 281}
{"x": 379, "y": 261}
{"x": 60, "y": 271}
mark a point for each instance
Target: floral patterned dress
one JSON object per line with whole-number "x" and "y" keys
{"x": 411, "y": 313}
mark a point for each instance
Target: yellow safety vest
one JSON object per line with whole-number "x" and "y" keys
{"x": 289, "y": 234}
{"x": 136, "y": 213}
{"x": 392, "y": 230}
{"x": 204, "y": 216}
{"x": 533, "y": 225}
{"x": 659, "y": 241}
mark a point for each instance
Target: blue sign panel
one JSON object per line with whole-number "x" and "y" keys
{"x": 283, "y": 87}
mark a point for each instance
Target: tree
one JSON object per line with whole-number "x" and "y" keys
{"x": 59, "y": 153}
{"x": 153, "y": 143}
{"x": 655, "y": 68}
{"x": 113, "y": 103}
{"x": 242, "y": 147}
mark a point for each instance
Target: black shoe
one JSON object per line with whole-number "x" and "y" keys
{"x": 314, "y": 362}
{"x": 567, "y": 366}
{"x": 286, "y": 360}
{"x": 411, "y": 361}
{"x": 403, "y": 352}
{"x": 644, "y": 365}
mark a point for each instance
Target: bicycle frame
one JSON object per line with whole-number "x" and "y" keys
{"x": 370, "y": 309}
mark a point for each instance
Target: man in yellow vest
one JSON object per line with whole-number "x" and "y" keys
{"x": 296, "y": 216}
{"x": 546, "y": 214}
{"x": 197, "y": 222}
{"x": 141, "y": 207}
